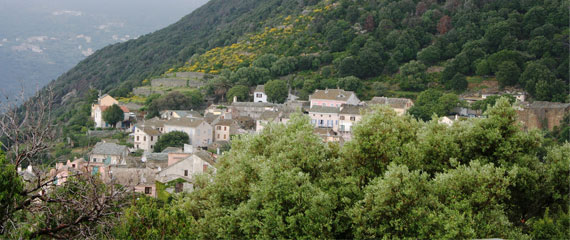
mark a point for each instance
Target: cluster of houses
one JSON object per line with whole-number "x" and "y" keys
{"x": 333, "y": 112}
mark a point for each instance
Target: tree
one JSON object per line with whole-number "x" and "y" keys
{"x": 541, "y": 83}
{"x": 490, "y": 101}
{"x": 37, "y": 208}
{"x": 250, "y": 76}
{"x": 265, "y": 61}
{"x": 444, "y": 24}
{"x": 284, "y": 66}
{"x": 413, "y": 76}
{"x": 276, "y": 91}
{"x": 175, "y": 101}
{"x": 429, "y": 55}
{"x": 350, "y": 83}
{"x": 240, "y": 91}
{"x": 508, "y": 74}
{"x": 434, "y": 101}
{"x": 171, "y": 139}
{"x": 458, "y": 83}
{"x": 113, "y": 114}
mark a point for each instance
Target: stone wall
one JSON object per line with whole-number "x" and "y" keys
{"x": 146, "y": 91}
{"x": 542, "y": 115}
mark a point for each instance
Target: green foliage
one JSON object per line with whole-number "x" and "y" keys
{"x": 413, "y": 76}
{"x": 171, "y": 139}
{"x": 350, "y": 83}
{"x": 276, "y": 91}
{"x": 113, "y": 115}
{"x": 490, "y": 101}
{"x": 284, "y": 66}
{"x": 11, "y": 188}
{"x": 429, "y": 55}
{"x": 541, "y": 83}
{"x": 433, "y": 101}
{"x": 508, "y": 74}
{"x": 458, "y": 83}
{"x": 175, "y": 101}
{"x": 240, "y": 91}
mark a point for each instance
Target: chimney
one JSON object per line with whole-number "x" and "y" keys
{"x": 29, "y": 169}
{"x": 218, "y": 151}
{"x": 235, "y": 98}
{"x": 19, "y": 169}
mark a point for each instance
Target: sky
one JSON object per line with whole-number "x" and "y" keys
{"x": 42, "y": 39}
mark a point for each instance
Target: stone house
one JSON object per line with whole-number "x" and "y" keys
{"x": 333, "y": 98}
{"x": 328, "y": 135}
{"x": 198, "y": 130}
{"x": 139, "y": 180}
{"x": 272, "y": 116}
{"x": 185, "y": 169}
{"x": 109, "y": 154}
{"x": 252, "y": 109}
{"x": 324, "y": 117}
{"x": 400, "y": 105}
{"x": 259, "y": 94}
{"x": 348, "y": 116}
{"x": 145, "y": 138}
{"x": 224, "y": 128}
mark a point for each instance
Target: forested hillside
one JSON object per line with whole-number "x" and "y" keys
{"x": 373, "y": 47}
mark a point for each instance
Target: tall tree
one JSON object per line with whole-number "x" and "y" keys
{"x": 113, "y": 114}
{"x": 276, "y": 91}
{"x": 171, "y": 139}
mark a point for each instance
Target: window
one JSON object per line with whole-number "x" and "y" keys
{"x": 185, "y": 173}
{"x": 179, "y": 187}
{"x": 258, "y": 95}
{"x": 151, "y": 138}
{"x": 218, "y": 136}
{"x": 224, "y": 136}
{"x": 137, "y": 138}
{"x": 144, "y": 139}
{"x": 352, "y": 118}
{"x": 224, "y": 128}
{"x": 341, "y": 117}
{"x": 336, "y": 122}
{"x": 73, "y": 165}
{"x": 148, "y": 190}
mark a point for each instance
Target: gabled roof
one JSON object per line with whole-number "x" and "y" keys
{"x": 184, "y": 113}
{"x": 156, "y": 156}
{"x": 332, "y": 94}
{"x": 260, "y": 88}
{"x": 321, "y": 109}
{"x": 185, "y": 122}
{"x": 172, "y": 150}
{"x": 393, "y": 102}
{"x": 252, "y": 104}
{"x": 104, "y": 148}
{"x": 224, "y": 122}
{"x": 149, "y": 131}
{"x": 153, "y": 122}
{"x": 350, "y": 109}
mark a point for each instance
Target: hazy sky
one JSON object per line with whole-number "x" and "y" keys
{"x": 41, "y": 39}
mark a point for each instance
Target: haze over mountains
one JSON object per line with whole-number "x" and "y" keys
{"x": 40, "y": 40}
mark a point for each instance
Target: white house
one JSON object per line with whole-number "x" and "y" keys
{"x": 97, "y": 114}
{"x": 198, "y": 130}
{"x": 259, "y": 94}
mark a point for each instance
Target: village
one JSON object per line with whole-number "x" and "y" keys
{"x": 333, "y": 112}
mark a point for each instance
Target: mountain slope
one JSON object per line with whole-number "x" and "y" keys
{"x": 216, "y": 23}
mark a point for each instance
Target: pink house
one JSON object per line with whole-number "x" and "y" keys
{"x": 333, "y": 98}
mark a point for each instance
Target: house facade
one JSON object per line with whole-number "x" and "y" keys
{"x": 197, "y": 163}
{"x": 324, "y": 117}
{"x": 223, "y": 129}
{"x": 146, "y": 138}
{"x": 347, "y": 117}
{"x": 400, "y": 105}
{"x": 333, "y": 98}
{"x": 109, "y": 154}
{"x": 259, "y": 94}
{"x": 198, "y": 130}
